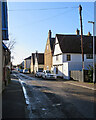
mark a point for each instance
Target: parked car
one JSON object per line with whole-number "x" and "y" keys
{"x": 48, "y": 75}
{"x": 21, "y": 70}
{"x": 39, "y": 73}
{"x": 18, "y": 69}
{"x": 25, "y": 71}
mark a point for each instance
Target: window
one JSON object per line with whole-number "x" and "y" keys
{"x": 68, "y": 57}
{"x": 56, "y": 58}
{"x": 89, "y": 56}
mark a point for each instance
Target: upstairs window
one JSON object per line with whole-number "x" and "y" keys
{"x": 89, "y": 56}
{"x": 68, "y": 57}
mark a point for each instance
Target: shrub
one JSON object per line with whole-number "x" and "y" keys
{"x": 90, "y": 73}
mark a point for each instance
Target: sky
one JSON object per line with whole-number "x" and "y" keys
{"x": 29, "y": 23}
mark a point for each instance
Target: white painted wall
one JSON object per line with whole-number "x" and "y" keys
{"x": 57, "y": 49}
{"x": 65, "y": 70}
{"x": 59, "y": 61}
{"x": 36, "y": 64}
{"x": 60, "y": 72}
{"x": 76, "y": 57}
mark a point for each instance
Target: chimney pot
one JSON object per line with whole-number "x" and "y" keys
{"x": 77, "y": 32}
{"x": 49, "y": 34}
{"x": 89, "y": 34}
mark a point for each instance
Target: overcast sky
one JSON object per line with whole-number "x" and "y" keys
{"x": 29, "y": 23}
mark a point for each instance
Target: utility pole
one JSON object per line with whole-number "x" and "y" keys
{"x": 80, "y": 12}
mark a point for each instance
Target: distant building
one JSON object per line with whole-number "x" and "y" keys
{"x": 67, "y": 54}
{"x": 27, "y": 62}
{"x": 32, "y": 62}
{"x": 48, "y": 54}
{"x": 39, "y": 62}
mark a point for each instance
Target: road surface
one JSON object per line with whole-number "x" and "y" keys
{"x": 56, "y": 99}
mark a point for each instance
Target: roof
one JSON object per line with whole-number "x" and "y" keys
{"x": 72, "y": 43}
{"x": 52, "y": 42}
{"x": 28, "y": 58}
{"x": 40, "y": 58}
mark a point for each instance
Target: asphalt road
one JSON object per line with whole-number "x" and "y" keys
{"x": 56, "y": 99}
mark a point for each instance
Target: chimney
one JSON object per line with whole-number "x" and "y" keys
{"x": 89, "y": 34}
{"x": 36, "y": 53}
{"x": 49, "y": 35}
{"x": 77, "y": 32}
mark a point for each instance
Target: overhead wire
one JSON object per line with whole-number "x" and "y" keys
{"x": 54, "y": 16}
{"x": 41, "y": 9}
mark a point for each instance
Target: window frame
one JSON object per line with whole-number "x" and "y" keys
{"x": 68, "y": 57}
{"x": 89, "y": 56}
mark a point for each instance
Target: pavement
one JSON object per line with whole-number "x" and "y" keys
{"x": 13, "y": 101}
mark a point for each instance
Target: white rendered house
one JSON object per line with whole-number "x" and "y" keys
{"x": 67, "y": 54}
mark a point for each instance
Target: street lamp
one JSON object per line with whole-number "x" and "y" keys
{"x": 93, "y": 51}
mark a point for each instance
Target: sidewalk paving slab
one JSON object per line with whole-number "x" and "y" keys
{"x": 13, "y": 101}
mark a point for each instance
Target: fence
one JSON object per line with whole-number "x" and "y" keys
{"x": 77, "y": 75}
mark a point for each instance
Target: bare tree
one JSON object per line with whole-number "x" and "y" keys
{"x": 10, "y": 43}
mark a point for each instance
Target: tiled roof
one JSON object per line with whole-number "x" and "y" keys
{"x": 52, "y": 41}
{"x": 72, "y": 43}
{"x": 40, "y": 58}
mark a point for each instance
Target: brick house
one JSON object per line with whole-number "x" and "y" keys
{"x": 48, "y": 54}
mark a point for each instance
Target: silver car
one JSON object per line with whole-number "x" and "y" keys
{"x": 48, "y": 75}
{"x": 39, "y": 73}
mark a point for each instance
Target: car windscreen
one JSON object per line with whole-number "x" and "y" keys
{"x": 48, "y": 72}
